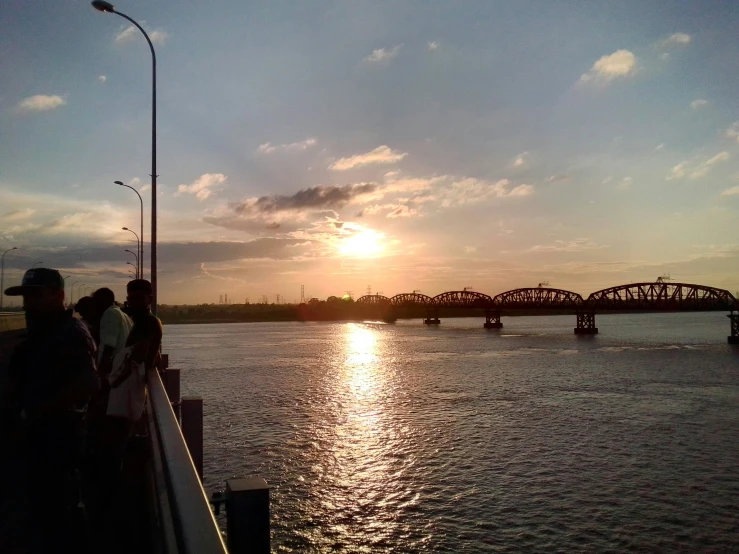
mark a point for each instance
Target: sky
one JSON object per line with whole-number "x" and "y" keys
{"x": 349, "y": 144}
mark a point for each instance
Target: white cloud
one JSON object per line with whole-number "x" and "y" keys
{"x": 469, "y": 190}
{"x": 380, "y": 155}
{"x": 156, "y": 36}
{"x": 41, "y": 102}
{"x": 382, "y": 54}
{"x": 621, "y": 63}
{"x": 469, "y": 249}
{"x": 102, "y": 78}
{"x": 576, "y": 245}
{"x": 733, "y": 131}
{"x": 664, "y": 56}
{"x": 625, "y": 183}
{"x": 201, "y": 187}
{"x": 269, "y": 148}
{"x": 520, "y": 160}
{"x": 733, "y": 191}
{"x": 699, "y": 103}
{"x": 660, "y": 146}
{"x": 18, "y": 215}
{"x": 433, "y": 45}
{"x": 677, "y": 39}
{"x": 693, "y": 171}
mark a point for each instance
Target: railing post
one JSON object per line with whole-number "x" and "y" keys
{"x": 247, "y": 516}
{"x": 192, "y": 429}
{"x": 171, "y": 378}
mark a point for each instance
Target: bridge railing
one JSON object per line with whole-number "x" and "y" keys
{"x": 184, "y": 517}
{"x": 12, "y": 321}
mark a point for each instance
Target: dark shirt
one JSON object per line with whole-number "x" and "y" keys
{"x": 56, "y": 354}
{"x": 146, "y": 326}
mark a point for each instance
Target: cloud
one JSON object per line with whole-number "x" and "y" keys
{"x": 576, "y": 245}
{"x": 733, "y": 131}
{"x": 660, "y": 146}
{"x": 433, "y": 45}
{"x": 562, "y": 178}
{"x": 622, "y": 63}
{"x": 699, "y": 103}
{"x": 733, "y": 191}
{"x": 286, "y": 212}
{"x": 382, "y": 54}
{"x": 102, "y": 78}
{"x": 41, "y": 103}
{"x": 157, "y": 36}
{"x": 18, "y": 215}
{"x": 269, "y": 148}
{"x": 392, "y": 211}
{"x": 520, "y": 160}
{"x": 201, "y": 187}
{"x": 694, "y": 171}
{"x": 469, "y": 190}
{"x": 380, "y": 155}
{"x": 676, "y": 39}
{"x": 469, "y": 249}
{"x": 625, "y": 183}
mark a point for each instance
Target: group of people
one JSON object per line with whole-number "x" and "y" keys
{"x": 74, "y": 396}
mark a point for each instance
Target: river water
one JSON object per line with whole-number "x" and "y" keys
{"x": 404, "y": 438}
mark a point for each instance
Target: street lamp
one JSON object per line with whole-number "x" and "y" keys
{"x": 140, "y": 255}
{"x": 137, "y": 261}
{"x": 107, "y": 7}
{"x": 71, "y": 291}
{"x": 2, "y": 275}
{"x": 138, "y": 242}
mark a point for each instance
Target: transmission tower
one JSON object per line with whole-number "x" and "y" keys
{"x": 302, "y": 294}
{"x": 369, "y": 290}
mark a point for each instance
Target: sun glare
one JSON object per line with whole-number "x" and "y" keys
{"x": 363, "y": 244}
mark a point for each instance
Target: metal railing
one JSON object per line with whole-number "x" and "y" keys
{"x": 12, "y": 321}
{"x": 186, "y": 522}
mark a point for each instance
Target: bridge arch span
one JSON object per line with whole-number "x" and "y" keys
{"x": 462, "y": 299}
{"x": 662, "y": 296}
{"x": 538, "y": 297}
{"x": 411, "y": 299}
{"x": 373, "y": 299}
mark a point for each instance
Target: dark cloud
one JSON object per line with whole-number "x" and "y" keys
{"x": 170, "y": 253}
{"x": 318, "y": 197}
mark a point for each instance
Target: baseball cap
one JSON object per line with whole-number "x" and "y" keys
{"x": 40, "y": 277}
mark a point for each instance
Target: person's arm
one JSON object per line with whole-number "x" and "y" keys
{"x": 108, "y": 341}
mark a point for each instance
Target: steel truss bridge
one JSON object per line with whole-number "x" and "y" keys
{"x": 634, "y": 297}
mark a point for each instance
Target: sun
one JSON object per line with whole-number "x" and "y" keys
{"x": 363, "y": 244}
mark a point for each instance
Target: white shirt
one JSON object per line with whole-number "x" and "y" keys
{"x": 114, "y": 329}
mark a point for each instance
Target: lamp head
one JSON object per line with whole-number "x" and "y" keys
{"x": 125, "y": 229}
{"x": 118, "y": 183}
{"x": 102, "y": 6}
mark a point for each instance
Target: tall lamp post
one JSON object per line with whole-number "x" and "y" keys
{"x": 71, "y": 291}
{"x": 103, "y": 6}
{"x": 2, "y": 275}
{"x": 138, "y": 242}
{"x": 137, "y": 266}
{"x": 140, "y": 255}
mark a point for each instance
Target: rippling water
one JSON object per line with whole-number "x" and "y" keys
{"x": 403, "y": 438}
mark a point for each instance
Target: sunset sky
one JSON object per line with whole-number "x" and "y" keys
{"x": 403, "y": 145}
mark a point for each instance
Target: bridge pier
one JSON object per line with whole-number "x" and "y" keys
{"x": 586, "y": 323}
{"x": 733, "y": 338}
{"x": 432, "y": 318}
{"x": 492, "y": 319}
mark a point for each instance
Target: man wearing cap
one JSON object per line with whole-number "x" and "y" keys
{"x": 53, "y": 376}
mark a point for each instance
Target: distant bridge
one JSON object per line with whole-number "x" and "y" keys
{"x": 634, "y": 297}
